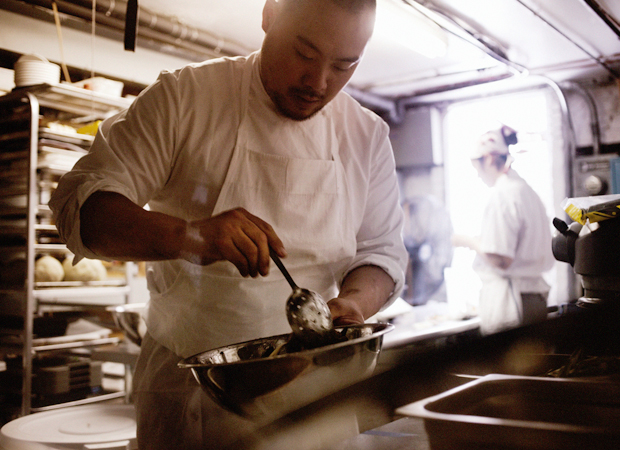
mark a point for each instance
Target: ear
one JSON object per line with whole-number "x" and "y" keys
{"x": 269, "y": 14}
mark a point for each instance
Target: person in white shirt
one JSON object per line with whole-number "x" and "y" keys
{"x": 514, "y": 245}
{"x": 232, "y": 156}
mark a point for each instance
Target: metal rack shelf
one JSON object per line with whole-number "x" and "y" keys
{"x": 86, "y": 401}
{"x": 84, "y": 296}
{"x": 72, "y": 345}
{"x": 81, "y": 102}
{"x": 34, "y": 153}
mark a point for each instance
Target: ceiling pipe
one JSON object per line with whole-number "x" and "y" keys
{"x": 568, "y": 131}
{"x": 466, "y": 32}
{"x": 594, "y": 121}
{"x": 168, "y": 34}
{"x": 605, "y": 17}
{"x": 596, "y": 59}
{"x": 446, "y": 94}
{"x": 569, "y": 140}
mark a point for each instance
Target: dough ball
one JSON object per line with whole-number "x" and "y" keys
{"x": 48, "y": 268}
{"x": 85, "y": 270}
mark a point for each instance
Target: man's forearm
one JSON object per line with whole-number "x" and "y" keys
{"x": 114, "y": 227}
{"x": 369, "y": 287}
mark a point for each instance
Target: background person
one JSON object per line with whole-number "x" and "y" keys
{"x": 514, "y": 245}
{"x": 234, "y": 155}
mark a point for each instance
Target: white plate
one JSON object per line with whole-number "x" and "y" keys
{"x": 36, "y": 72}
{"x": 32, "y": 57}
{"x": 89, "y": 424}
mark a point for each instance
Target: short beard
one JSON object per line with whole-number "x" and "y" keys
{"x": 279, "y": 102}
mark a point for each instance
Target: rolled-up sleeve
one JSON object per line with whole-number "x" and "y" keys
{"x": 133, "y": 160}
{"x": 379, "y": 237}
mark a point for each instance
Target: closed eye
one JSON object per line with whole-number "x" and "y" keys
{"x": 304, "y": 56}
{"x": 344, "y": 67}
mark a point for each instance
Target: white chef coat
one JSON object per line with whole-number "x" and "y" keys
{"x": 172, "y": 149}
{"x": 514, "y": 224}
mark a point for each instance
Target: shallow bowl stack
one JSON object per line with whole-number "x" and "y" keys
{"x": 34, "y": 69}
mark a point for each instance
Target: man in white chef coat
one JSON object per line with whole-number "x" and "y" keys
{"x": 514, "y": 245}
{"x": 234, "y": 155}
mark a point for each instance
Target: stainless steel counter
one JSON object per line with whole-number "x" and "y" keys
{"x": 403, "y": 335}
{"x": 424, "y": 360}
{"x": 406, "y": 433}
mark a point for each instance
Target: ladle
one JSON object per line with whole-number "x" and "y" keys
{"x": 306, "y": 311}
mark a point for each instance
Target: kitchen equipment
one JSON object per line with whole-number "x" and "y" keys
{"x": 65, "y": 375}
{"x": 104, "y": 427}
{"x": 525, "y": 413}
{"x": 592, "y": 174}
{"x": 306, "y": 311}
{"x": 594, "y": 253}
{"x": 130, "y": 319}
{"x": 247, "y": 380}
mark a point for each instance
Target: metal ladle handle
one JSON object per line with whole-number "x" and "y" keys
{"x": 276, "y": 259}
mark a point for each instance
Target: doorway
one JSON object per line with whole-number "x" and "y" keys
{"x": 534, "y": 115}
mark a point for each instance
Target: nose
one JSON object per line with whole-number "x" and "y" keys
{"x": 316, "y": 77}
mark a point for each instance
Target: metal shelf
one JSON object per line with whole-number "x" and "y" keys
{"x": 44, "y": 248}
{"x": 15, "y": 345}
{"x": 82, "y": 102}
{"x": 45, "y": 227}
{"x": 81, "y": 295}
{"x": 82, "y": 140}
{"x": 96, "y": 398}
{"x": 31, "y": 159}
{"x": 77, "y": 344}
{"x": 50, "y": 285}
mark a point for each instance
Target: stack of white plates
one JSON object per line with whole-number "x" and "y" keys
{"x": 35, "y": 69}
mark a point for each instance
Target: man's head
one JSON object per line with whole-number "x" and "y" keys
{"x": 311, "y": 49}
{"x": 491, "y": 154}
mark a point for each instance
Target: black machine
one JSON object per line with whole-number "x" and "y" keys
{"x": 594, "y": 253}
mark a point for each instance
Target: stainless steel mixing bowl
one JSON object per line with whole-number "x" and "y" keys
{"x": 129, "y": 318}
{"x": 242, "y": 379}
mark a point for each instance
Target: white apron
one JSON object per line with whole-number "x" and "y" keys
{"x": 306, "y": 203}
{"x": 305, "y": 200}
{"x": 500, "y": 306}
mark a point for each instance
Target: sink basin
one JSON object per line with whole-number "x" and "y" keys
{"x": 510, "y": 412}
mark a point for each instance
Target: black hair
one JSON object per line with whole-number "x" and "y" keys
{"x": 352, "y": 5}
{"x": 509, "y": 135}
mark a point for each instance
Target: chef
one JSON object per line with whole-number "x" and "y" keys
{"x": 514, "y": 246}
{"x": 217, "y": 161}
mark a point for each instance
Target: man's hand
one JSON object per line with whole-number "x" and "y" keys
{"x": 112, "y": 226}
{"x": 364, "y": 291}
{"x": 345, "y": 312}
{"x": 236, "y": 236}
